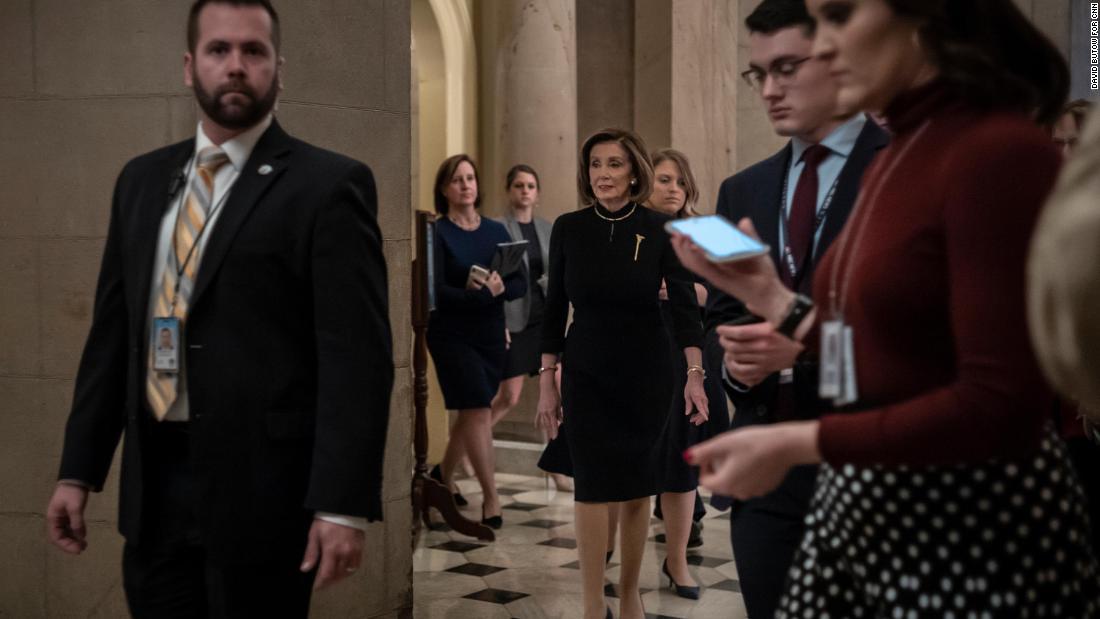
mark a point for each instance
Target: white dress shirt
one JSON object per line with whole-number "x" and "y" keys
{"x": 239, "y": 149}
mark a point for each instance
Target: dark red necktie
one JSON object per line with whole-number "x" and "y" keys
{"x": 800, "y": 224}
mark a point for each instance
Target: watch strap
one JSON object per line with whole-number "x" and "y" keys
{"x": 800, "y": 307}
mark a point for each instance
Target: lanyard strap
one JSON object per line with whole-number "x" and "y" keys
{"x": 173, "y": 257}
{"x": 867, "y": 201}
{"x": 819, "y": 219}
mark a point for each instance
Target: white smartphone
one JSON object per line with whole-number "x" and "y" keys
{"x": 719, "y": 239}
{"x": 477, "y": 277}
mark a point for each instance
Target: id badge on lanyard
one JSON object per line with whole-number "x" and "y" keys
{"x": 166, "y": 345}
{"x": 837, "y": 378}
{"x": 838, "y": 360}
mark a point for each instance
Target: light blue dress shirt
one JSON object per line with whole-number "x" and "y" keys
{"x": 840, "y": 144}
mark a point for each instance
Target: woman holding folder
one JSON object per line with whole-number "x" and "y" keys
{"x": 523, "y": 316}
{"x": 466, "y": 335}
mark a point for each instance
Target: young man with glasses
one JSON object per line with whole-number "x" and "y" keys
{"x": 799, "y": 200}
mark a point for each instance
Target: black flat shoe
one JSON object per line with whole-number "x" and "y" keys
{"x": 691, "y": 593}
{"x": 609, "y": 615}
{"x": 437, "y": 475}
{"x": 493, "y": 522}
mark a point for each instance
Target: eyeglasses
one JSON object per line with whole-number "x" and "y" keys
{"x": 782, "y": 72}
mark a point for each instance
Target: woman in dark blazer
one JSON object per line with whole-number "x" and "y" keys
{"x": 466, "y": 331}
{"x": 523, "y": 316}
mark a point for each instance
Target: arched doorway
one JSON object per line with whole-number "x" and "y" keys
{"x": 444, "y": 122}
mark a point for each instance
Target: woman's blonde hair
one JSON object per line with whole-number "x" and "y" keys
{"x": 691, "y": 189}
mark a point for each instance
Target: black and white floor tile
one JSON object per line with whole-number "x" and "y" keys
{"x": 530, "y": 571}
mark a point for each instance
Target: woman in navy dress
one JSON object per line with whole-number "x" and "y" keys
{"x": 466, "y": 331}
{"x": 608, "y": 261}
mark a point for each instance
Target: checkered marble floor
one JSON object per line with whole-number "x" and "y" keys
{"x": 530, "y": 571}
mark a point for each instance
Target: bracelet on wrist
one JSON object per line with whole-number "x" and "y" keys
{"x": 697, "y": 369}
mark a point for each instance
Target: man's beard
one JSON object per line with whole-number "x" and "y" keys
{"x": 237, "y": 116}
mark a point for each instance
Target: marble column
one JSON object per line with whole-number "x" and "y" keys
{"x": 529, "y": 99}
{"x": 704, "y": 90}
{"x": 653, "y": 72}
{"x": 606, "y": 64}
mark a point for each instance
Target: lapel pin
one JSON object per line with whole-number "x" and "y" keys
{"x": 265, "y": 169}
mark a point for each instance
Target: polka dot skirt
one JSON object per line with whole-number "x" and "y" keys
{"x": 991, "y": 540}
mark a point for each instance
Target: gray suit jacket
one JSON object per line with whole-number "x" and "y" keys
{"x": 516, "y": 312}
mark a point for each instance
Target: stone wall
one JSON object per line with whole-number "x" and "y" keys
{"x": 84, "y": 87}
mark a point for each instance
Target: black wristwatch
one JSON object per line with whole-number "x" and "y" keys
{"x": 800, "y": 307}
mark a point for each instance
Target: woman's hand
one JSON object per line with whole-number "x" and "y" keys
{"x": 495, "y": 284}
{"x": 696, "y": 404}
{"x": 662, "y": 294}
{"x": 548, "y": 415}
{"x": 753, "y": 461}
{"x": 753, "y": 280}
{"x": 507, "y": 339}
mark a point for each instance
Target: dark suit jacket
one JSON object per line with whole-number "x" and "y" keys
{"x": 755, "y": 193}
{"x": 287, "y": 343}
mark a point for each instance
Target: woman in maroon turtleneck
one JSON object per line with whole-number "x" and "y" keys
{"x": 943, "y": 488}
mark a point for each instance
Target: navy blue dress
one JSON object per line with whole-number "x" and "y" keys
{"x": 466, "y": 330}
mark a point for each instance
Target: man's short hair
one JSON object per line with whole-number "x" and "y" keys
{"x": 771, "y": 16}
{"x": 197, "y": 7}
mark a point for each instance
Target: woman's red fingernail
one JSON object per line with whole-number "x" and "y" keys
{"x": 688, "y": 456}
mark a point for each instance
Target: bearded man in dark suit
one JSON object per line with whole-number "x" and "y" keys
{"x": 253, "y": 459}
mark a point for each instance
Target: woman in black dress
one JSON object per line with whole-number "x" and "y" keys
{"x": 608, "y": 261}
{"x": 675, "y": 194}
{"x": 466, "y": 330}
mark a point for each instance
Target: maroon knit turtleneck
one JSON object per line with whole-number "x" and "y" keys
{"x": 936, "y": 300}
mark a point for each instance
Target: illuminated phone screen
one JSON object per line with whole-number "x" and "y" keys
{"x": 719, "y": 238}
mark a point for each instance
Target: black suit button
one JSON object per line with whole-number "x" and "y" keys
{"x": 761, "y": 410}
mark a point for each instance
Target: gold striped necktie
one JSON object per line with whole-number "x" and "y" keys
{"x": 178, "y": 282}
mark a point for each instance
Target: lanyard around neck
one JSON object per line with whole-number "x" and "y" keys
{"x": 785, "y": 217}
{"x": 173, "y": 254}
{"x": 867, "y": 201}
